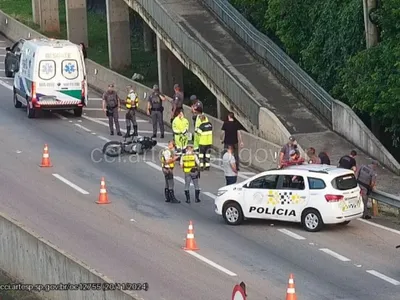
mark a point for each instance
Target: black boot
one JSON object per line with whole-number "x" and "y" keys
{"x": 197, "y": 196}
{"x": 135, "y": 132}
{"x": 167, "y": 198}
{"x": 187, "y": 194}
{"x": 162, "y": 135}
{"x": 128, "y": 131}
{"x": 172, "y": 197}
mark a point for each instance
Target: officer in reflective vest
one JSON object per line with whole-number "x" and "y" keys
{"x": 168, "y": 159}
{"x": 204, "y": 135}
{"x": 131, "y": 104}
{"x": 180, "y": 127}
{"x": 366, "y": 178}
{"x": 190, "y": 164}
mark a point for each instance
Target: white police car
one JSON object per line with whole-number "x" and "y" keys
{"x": 311, "y": 194}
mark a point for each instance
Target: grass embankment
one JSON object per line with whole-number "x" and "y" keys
{"x": 143, "y": 62}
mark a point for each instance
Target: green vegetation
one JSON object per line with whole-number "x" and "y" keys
{"x": 326, "y": 38}
{"x": 14, "y": 295}
{"x": 143, "y": 62}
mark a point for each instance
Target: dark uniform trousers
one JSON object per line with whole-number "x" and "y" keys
{"x": 157, "y": 118}
{"x": 130, "y": 117}
{"x": 113, "y": 117}
{"x": 204, "y": 156}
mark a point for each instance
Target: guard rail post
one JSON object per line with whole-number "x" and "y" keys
{"x": 375, "y": 208}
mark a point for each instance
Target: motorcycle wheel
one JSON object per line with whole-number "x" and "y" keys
{"x": 112, "y": 149}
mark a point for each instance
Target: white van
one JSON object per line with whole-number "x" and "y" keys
{"x": 49, "y": 75}
{"x": 312, "y": 195}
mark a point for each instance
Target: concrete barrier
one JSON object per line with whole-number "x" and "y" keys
{"x": 348, "y": 124}
{"x": 29, "y": 259}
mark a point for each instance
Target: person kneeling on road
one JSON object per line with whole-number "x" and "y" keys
{"x": 168, "y": 159}
{"x": 190, "y": 164}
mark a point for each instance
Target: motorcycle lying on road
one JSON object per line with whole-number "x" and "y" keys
{"x": 130, "y": 145}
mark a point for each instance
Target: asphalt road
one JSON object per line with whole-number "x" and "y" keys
{"x": 138, "y": 237}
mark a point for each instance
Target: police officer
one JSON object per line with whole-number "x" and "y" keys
{"x": 366, "y": 178}
{"x": 205, "y": 139}
{"x": 168, "y": 159}
{"x": 197, "y": 108}
{"x": 155, "y": 109}
{"x": 180, "y": 127}
{"x": 190, "y": 164}
{"x": 111, "y": 105}
{"x": 131, "y": 103}
{"x": 177, "y": 102}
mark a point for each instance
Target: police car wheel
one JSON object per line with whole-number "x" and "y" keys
{"x": 311, "y": 220}
{"x": 232, "y": 213}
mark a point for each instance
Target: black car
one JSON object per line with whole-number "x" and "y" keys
{"x": 11, "y": 61}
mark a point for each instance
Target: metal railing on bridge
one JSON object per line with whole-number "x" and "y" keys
{"x": 267, "y": 50}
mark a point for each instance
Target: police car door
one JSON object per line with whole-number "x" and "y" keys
{"x": 291, "y": 197}
{"x": 256, "y": 196}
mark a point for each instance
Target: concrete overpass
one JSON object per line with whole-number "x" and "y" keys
{"x": 189, "y": 35}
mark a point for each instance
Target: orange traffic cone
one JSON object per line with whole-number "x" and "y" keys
{"x": 103, "y": 196}
{"x": 46, "y": 158}
{"x": 291, "y": 293}
{"x": 190, "y": 241}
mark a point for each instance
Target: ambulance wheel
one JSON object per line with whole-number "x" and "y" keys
{"x": 30, "y": 112}
{"x": 232, "y": 213}
{"x": 311, "y": 220}
{"x": 78, "y": 112}
{"x": 17, "y": 104}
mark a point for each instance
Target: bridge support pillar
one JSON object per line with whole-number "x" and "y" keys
{"x": 36, "y": 11}
{"x": 119, "y": 35}
{"x": 76, "y": 15}
{"x": 170, "y": 69}
{"x": 148, "y": 38}
{"x": 222, "y": 112}
{"x": 49, "y": 19}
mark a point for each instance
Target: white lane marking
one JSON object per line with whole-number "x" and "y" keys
{"x": 248, "y": 173}
{"x": 73, "y": 185}
{"x": 380, "y": 226}
{"x": 94, "y": 133}
{"x": 211, "y": 195}
{"x": 6, "y": 85}
{"x": 2, "y": 70}
{"x": 157, "y": 167}
{"x": 133, "y": 220}
{"x": 211, "y": 263}
{"x": 334, "y": 254}
{"x": 7, "y": 78}
{"x": 2, "y": 55}
{"x": 122, "y": 120}
{"x": 96, "y": 109}
{"x": 383, "y": 277}
{"x": 83, "y": 127}
{"x": 60, "y": 116}
{"x": 104, "y": 138}
{"x": 153, "y": 165}
{"x": 94, "y": 99}
{"x": 292, "y": 234}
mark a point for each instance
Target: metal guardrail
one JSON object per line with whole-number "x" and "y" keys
{"x": 266, "y": 49}
{"x": 388, "y": 199}
{"x": 200, "y": 56}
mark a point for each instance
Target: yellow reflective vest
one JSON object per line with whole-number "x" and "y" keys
{"x": 132, "y": 100}
{"x": 189, "y": 162}
{"x": 204, "y": 132}
{"x": 169, "y": 154}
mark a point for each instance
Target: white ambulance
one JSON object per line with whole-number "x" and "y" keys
{"x": 312, "y": 195}
{"x": 49, "y": 75}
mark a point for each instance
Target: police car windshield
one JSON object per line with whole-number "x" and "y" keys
{"x": 345, "y": 182}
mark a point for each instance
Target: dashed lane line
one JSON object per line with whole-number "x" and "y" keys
{"x": 60, "y": 116}
{"x": 335, "y": 255}
{"x": 383, "y": 277}
{"x": 211, "y": 263}
{"x": 71, "y": 184}
{"x": 104, "y": 138}
{"x": 82, "y": 127}
{"x": 291, "y": 234}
